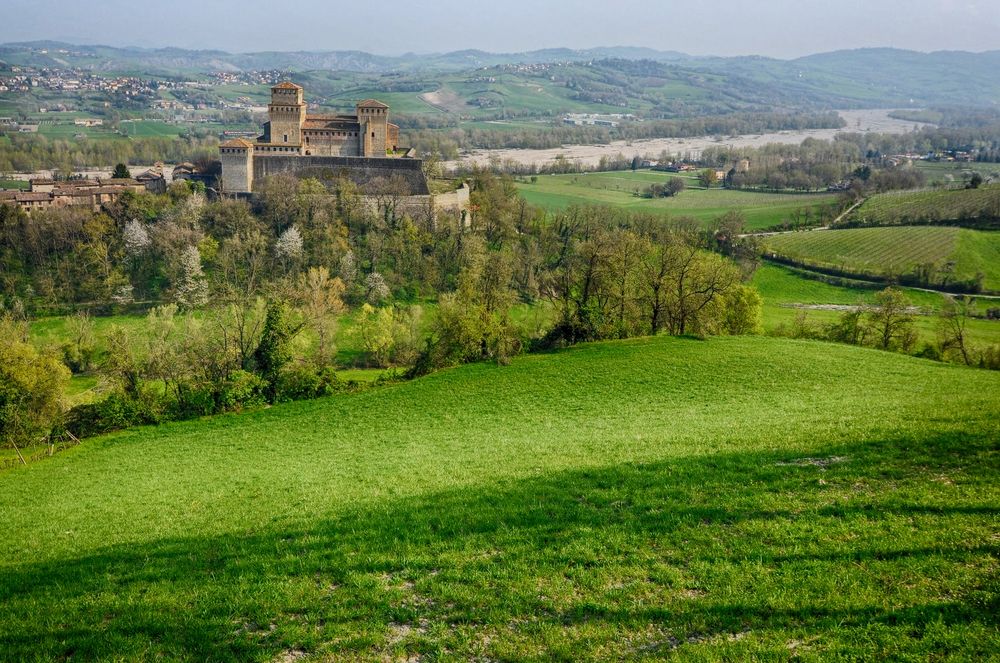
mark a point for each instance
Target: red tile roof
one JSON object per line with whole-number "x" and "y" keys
{"x": 237, "y": 142}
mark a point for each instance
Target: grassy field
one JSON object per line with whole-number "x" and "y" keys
{"x": 895, "y": 250}
{"x": 945, "y": 172}
{"x": 153, "y": 129}
{"x": 20, "y": 185}
{"x": 725, "y": 499}
{"x": 901, "y": 207}
{"x": 786, "y": 294}
{"x": 619, "y": 189}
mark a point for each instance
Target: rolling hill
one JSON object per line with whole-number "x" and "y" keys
{"x": 970, "y": 206}
{"x": 733, "y": 498}
{"x": 855, "y": 78}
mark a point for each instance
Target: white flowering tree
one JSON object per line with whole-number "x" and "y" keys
{"x": 348, "y": 269}
{"x": 191, "y": 289}
{"x": 136, "y": 239}
{"x": 376, "y": 288}
{"x": 288, "y": 248}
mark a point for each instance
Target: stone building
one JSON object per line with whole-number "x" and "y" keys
{"x": 90, "y": 194}
{"x": 363, "y": 146}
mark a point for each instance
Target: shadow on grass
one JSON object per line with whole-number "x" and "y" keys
{"x": 578, "y": 548}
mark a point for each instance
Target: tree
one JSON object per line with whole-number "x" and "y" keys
{"x": 693, "y": 280}
{"x": 975, "y": 181}
{"x": 952, "y": 323}
{"x": 320, "y": 298}
{"x": 79, "y": 351}
{"x": 288, "y": 247}
{"x": 135, "y": 239}
{"x": 376, "y": 289}
{"x": 191, "y": 289}
{"x": 376, "y": 328}
{"x": 243, "y": 260}
{"x": 742, "y": 306}
{"x": 850, "y": 327}
{"x": 890, "y": 320}
{"x": 274, "y": 351}
{"x": 675, "y": 185}
{"x": 31, "y": 387}
{"x": 347, "y": 269}
{"x": 121, "y": 172}
{"x": 708, "y": 177}
{"x": 474, "y": 322}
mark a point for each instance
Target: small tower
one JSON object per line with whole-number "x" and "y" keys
{"x": 287, "y": 113}
{"x": 237, "y": 166}
{"x": 373, "y": 116}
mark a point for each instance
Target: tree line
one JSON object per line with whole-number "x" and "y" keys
{"x": 888, "y": 323}
{"x": 447, "y": 142}
{"x": 28, "y": 153}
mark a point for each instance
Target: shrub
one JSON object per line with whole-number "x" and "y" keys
{"x": 116, "y": 412}
{"x": 990, "y": 358}
{"x": 241, "y": 390}
{"x": 31, "y": 384}
{"x": 742, "y": 307}
{"x": 305, "y": 381}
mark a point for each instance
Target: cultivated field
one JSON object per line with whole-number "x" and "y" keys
{"x": 727, "y": 499}
{"x": 901, "y": 207}
{"x": 895, "y": 250}
{"x": 619, "y": 189}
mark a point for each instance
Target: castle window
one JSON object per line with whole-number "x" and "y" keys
{"x": 286, "y": 138}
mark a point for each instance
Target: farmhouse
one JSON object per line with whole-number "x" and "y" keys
{"x": 363, "y": 147}
{"x": 91, "y": 194}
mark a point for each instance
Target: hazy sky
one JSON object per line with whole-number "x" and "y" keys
{"x": 779, "y": 28}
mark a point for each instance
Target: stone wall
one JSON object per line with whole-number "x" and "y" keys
{"x": 235, "y": 170}
{"x": 332, "y": 146}
{"x": 362, "y": 171}
{"x": 454, "y": 204}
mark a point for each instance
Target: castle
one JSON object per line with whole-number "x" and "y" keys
{"x": 362, "y": 147}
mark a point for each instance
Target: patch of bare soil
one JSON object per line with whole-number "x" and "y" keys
{"x": 445, "y": 100}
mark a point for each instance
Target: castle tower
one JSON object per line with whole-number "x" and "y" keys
{"x": 237, "y": 166}
{"x": 287, "y": 113}
{"x": 373, "y": 116}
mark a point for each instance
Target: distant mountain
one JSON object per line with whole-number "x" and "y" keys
{"x": 876, "y": 76}
{"x": 865, "y": 77}
{"x": 177, "y": 60}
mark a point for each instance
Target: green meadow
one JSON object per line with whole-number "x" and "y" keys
{"x": 787, "y": 294}
{"x": 659, "y": 498}
{"x": 947, "y": 172}
{"x": 621, "y": 189}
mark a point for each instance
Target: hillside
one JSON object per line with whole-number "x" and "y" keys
{"x": 859, "y": 78}
{"x": 731, "y": 498}
{"x": 970, "y": 206}
{"x": 898, "y": 251}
